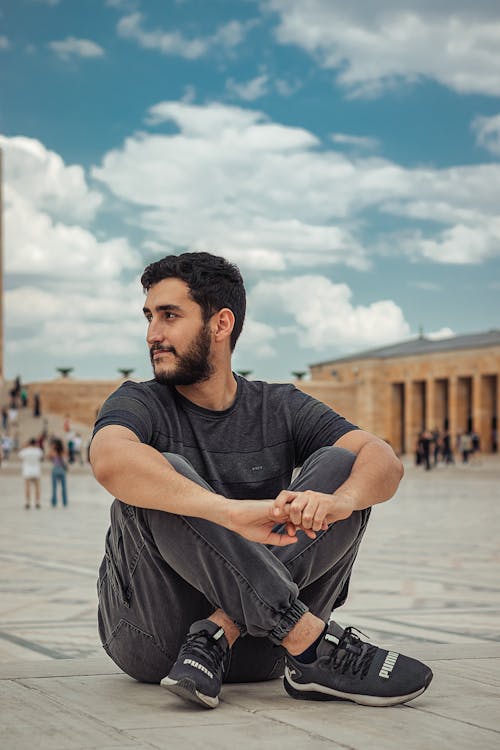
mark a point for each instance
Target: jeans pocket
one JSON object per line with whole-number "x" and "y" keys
{"x": 124, "y": 547}
{"x": 137, "y": 653}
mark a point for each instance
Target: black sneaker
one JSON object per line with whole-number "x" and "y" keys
{"x": 347, "y": 668}
{"x": 197, "y": 673}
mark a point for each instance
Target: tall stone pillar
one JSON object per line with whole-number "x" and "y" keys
{"x": 430, "y": 401}
{"x": 478, "y": 410}
{"x": 409, "y": 427}
{"x": 453, "y": 407}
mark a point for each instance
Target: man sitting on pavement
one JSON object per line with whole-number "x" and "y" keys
{"x": 218, "y": 567}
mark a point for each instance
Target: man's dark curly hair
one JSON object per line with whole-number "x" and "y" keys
{"x": 213, "y": 283}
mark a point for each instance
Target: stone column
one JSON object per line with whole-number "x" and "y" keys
{"x": 408, "y": 426}
{"x": 430, "y": 404}
{"x": 453, "y": 409}
{"x": 478, "y": 410}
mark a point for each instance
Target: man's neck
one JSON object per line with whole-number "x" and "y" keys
{"x": 217, "y": 393}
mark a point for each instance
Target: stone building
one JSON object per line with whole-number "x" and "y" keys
{"x": 397, "y": 391}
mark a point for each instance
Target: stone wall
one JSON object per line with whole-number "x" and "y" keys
{"x": 81, "y": 399}
{"x": 460, "y": 388}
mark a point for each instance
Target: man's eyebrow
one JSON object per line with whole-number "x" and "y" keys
{"x": 163, "y": 308}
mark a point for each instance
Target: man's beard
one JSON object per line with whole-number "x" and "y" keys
{"x": 192, "y": 367}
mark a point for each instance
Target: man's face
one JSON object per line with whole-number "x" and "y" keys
{"x": 179, "y": 340}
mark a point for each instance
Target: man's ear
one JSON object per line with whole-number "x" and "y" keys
{"x": 223, "y": 324}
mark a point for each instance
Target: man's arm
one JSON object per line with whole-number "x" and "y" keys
{"x": 376, "y": 472}
{"x": 375, "y": 477}
{"x": 139, "y": 475}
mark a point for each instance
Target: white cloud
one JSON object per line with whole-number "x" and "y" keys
{"x": 46, "y": 182}
{"x": 4, "y": 43}
{"x": 426, "y": 286}
{"x": 464, "y": 244}
{"x": 375, "y": 45}
{"x": 365, "y": 142}
{"x": 287, "y": 88}
{"x": 36, "y": 245}
{"x": 123, "y": 5}
{"x": 243, "y": 178}
{"x": 326, "y": 315}
{"x": 73, "y": 47}
{"x": 269, "y": 197}
{"x": 249, "y": 90}
{"x": 75, "y": 324}
{"x": 487, "y": 131}
{"x": 174, "y": 42}
{"x": 257, "y": 340}
{"x": 65, "y": 289}
{"x": 442, "y": 333}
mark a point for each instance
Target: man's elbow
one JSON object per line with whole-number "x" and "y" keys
{"x": 397, "y": 469}
{"x": 102, "y": 467}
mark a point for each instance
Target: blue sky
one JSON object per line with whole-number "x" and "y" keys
{"x": 345, "y": 156}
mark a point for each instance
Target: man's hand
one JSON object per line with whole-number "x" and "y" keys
{"x": 255, "y": 520}
{"x": 312, "y": 511}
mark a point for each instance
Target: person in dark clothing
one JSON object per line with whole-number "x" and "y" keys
{"x": 218, "y": 566}
{"x": 425, "y": 441}
{"x": 447, "y": 451}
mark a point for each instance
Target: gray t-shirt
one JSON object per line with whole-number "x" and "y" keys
{"x": 247, "y": 451}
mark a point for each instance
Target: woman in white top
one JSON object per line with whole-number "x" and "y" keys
{"x": 31, "y": 458}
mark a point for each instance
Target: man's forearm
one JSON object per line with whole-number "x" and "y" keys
{"x": 375, "y": 476}
{"x": 139, "y": 475}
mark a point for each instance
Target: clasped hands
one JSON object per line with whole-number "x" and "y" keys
{"x": 307, "y": 511}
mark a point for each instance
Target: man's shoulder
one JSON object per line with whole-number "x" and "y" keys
{"x": 143, "y": 390}
{"x": 264, "y": 386}
{"x": 275, "y": 397}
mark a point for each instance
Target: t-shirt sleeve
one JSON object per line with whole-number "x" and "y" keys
{"x": 314, "y": 425}
{"x": 130, "y": 407}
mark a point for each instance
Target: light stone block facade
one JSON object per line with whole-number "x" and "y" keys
{"x": 398, "y": 396}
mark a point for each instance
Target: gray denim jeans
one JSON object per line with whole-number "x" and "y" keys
{"x": 162, "y": 572}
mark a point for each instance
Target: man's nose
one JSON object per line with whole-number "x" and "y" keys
{"x": 154, "y": 334}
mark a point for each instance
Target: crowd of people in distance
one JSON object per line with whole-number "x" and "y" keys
{"x": 60, "y": 452}
{"x": 434, "y": 447}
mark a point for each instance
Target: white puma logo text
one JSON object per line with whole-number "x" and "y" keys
{"x": 199, "y": 666}
{"x": 388, "y": 665}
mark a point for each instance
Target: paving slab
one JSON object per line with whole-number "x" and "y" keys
{"x": 426, "y": 583}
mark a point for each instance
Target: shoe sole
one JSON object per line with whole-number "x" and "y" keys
{"x": 186, "y": 689}
{"x": 314, "y": 692}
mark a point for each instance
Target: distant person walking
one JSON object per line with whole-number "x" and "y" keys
{"x": 24, "y": 397}
{"x": 56, "y": 455}
{"x": 12, "y": 414}
{"x": 31, "y": 459}
{"x": 447, "y": 451}
{"x": 465, "y": 446}
{"x": 37, "y": 408}
{"x": 425, "y": 441}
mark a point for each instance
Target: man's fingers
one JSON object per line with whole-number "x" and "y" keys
{"x": 282, "y": 500}
{"x": 281, "y": 540}
{"x": 310, "y": 533}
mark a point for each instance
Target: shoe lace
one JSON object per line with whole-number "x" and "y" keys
{"x": 352, "y": 654}
{"x": 208, "y": 650}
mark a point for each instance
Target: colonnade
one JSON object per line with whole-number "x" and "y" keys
{"x": 459, "y": 403}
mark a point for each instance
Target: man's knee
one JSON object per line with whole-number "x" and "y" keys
{"x": 325, "y": 469}
{"x": 341, "y": 458}
{"x": 179, "y": 463}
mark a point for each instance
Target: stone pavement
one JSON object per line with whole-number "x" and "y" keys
{"x": 426, "y": 582}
